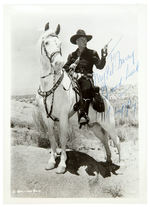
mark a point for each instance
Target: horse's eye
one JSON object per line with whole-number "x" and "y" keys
{"x": 46, "y": 43}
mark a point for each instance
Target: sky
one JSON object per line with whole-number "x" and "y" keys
{"x": 105, "y": 22}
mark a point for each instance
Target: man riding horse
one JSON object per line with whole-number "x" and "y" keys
{"x": 80, "y": 66}
{"x": 52, "y": 89}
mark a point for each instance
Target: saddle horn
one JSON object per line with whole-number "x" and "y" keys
{"x": 47, "y": 26}
{"x": 57, "y": 29}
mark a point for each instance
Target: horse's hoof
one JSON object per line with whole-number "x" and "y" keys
{"x": 50, "y": 166}
{"x": 61, "y": 170}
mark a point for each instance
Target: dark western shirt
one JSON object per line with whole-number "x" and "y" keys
{"x": 88, "y": 58}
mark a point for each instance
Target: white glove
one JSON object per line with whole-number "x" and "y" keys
{"x": 73, "y": 74}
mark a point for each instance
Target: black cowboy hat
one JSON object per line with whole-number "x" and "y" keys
{"x": 80, "y": 33}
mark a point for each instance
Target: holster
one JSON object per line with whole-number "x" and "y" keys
{"x": 98, "y": 103}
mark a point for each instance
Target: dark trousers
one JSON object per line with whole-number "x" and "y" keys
{"x": 86, "y": 91}
{"x": 86, "y": 88}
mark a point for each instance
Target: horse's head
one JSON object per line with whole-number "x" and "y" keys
{"x": 51, "y": 47}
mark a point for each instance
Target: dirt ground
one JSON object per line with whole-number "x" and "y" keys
{"x": 30, "y": 179}
{"x": 28, "y": 159}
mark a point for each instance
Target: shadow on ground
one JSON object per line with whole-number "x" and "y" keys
{"x": 76, "y": 159}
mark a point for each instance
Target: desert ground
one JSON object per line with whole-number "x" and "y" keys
{"x": 87, "y": 174}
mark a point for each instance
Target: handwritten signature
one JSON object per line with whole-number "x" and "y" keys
{"x": 123, "y": 110}
{"x": 127, "y": 66}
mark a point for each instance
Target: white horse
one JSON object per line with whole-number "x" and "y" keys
{"x": 55, "y": 103}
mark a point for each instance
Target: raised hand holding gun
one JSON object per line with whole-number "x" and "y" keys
{"x": 104, "y": 51}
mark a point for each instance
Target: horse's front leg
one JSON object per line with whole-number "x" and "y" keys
{"x": 64, "y": 124}
{"x": 51, "y": 161}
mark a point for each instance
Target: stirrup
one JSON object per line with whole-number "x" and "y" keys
{"x": 83, "y": 120}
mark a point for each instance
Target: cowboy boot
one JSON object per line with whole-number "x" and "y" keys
{"x": 83, "y": 115}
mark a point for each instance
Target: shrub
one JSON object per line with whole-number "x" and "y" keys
{"x": 114, "y": 191}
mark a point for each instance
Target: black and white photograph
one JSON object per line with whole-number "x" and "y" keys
{"x": 75, "y": 93}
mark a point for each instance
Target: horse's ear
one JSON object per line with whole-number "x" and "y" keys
{"x": 47, "y": 26}
{"x": 57, "y": 29}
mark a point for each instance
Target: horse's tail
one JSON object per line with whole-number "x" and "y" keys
{"x": 107, "y": 123}
{"x": 107, "y": 117}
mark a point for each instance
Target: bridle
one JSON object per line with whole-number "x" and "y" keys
{"x": 46, "y": 53}
{"x": 51, "y": 57}
{"x": 45, "y": 94}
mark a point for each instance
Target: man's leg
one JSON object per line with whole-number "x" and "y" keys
{"x": 83, "y": 115}
{"x": 86, "y": 90}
